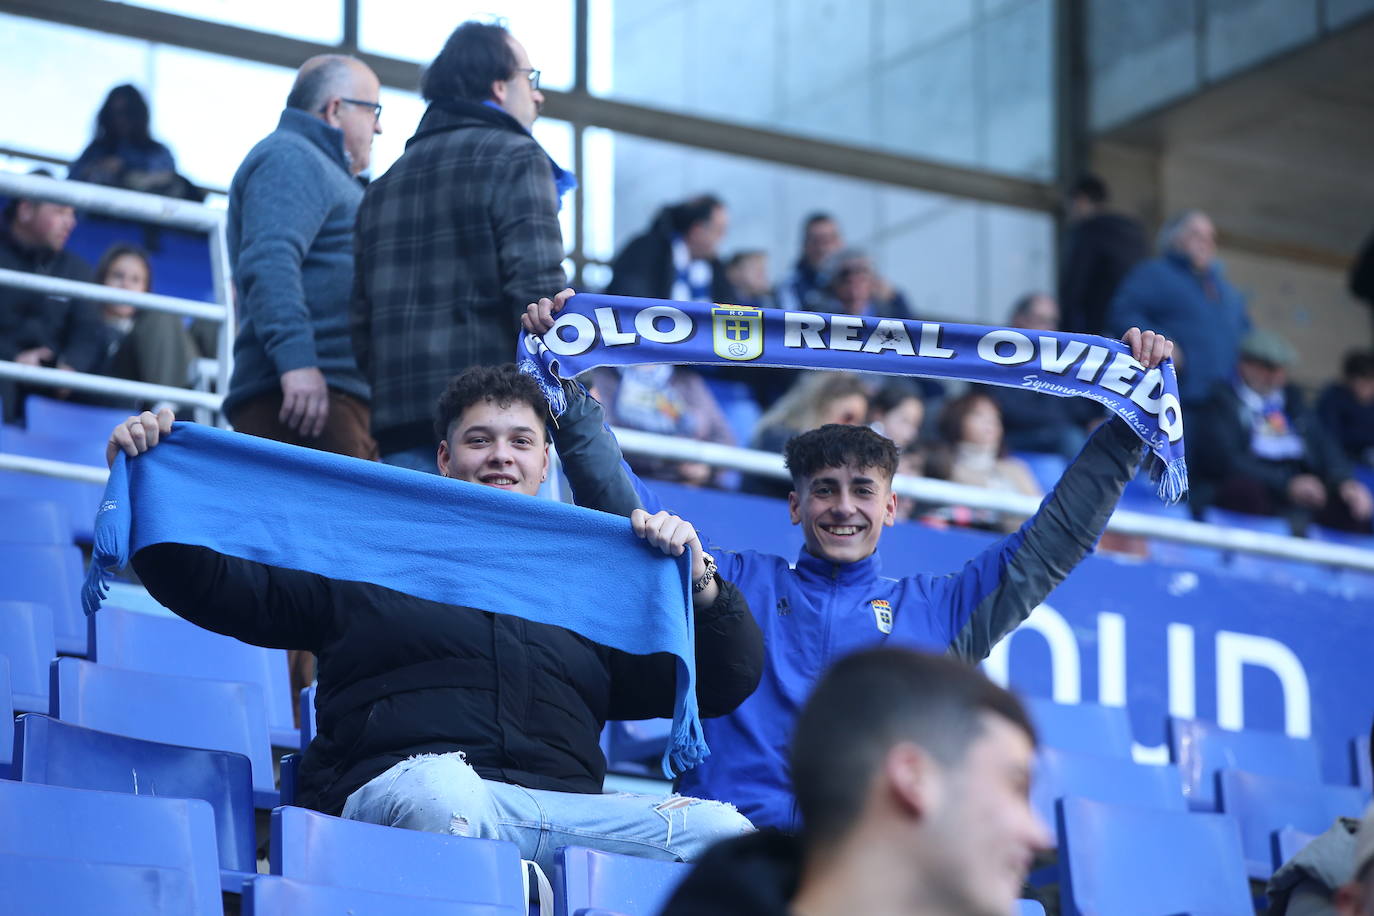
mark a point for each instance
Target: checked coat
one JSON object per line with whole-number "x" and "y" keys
{"x": 452, "y": 243}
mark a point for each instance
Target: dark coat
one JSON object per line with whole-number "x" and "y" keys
{"x": 452, "y": 243}
{"x": 645, "y": 268}
{"x": 1098, "y": 253}
{"x": 1348, "y": 421}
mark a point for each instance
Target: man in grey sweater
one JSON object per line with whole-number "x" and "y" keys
{"x": 292, "y": 206}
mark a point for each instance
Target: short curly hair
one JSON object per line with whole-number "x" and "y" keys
{"x": 502, "y": 385}
{"x": 836, "y": 445}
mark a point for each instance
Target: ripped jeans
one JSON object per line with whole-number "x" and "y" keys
{"x": 440, "y": 793}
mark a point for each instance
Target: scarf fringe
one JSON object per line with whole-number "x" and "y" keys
{"x": 1171, "y": 479}
{"x": 687, "y": 747}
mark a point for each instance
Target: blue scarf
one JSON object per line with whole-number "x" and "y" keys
{"x": 597, "y": 331}
{"x": 563, "y": 180}
{"x": 427, "y": 536}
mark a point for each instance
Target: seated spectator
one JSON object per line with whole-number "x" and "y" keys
{"x": 671, "y": 401}
{"x": 1254, "y": 447}
{"x": 1100, "y": 248}
{"x": 38, "y": 329}
{"x": 747, "y": 272}
{"x": 973, "y": 451}
{"x": 801, "y": 289}
{"x": 124, "y": 154}
{"x": 814, "y": 400}
{"x": 911, "y": 774}
{"x": 1347, "y": 408}
{"x": 852, "y": 287}
{"x": 896, "y": 410}
{"x": 1033, "y": 422}
{"x": 141, "y": 344}
{"x": 678, "y": 256}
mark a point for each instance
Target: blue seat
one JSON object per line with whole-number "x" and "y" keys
{"x": 319, "y": 849}
{"x": 57, "y": 753}
{"x": 1199, "y": 749}
{"x": 1263, "y": 805}
{"x": 1082, "y": 728}
{"x": 169, "y": 645}
{"x": 1360, "y": 763}
{"x": 1047, "y": 469}
{"x": 1029, "y": 908}
{"x": 1266, "y": 524}
{"x": 1288, "y": 842}
{"x": 34, "y": 521}
{"x": 1122, "y": 860}
{"x": 590, "y": 879}
{"x": 6, "y": 718}
{"x": 49, "y": 574}
{"x": 186, "y": 711}
{"x": 116, "y": 829}
{"x": 637, "y": 746}
{"x": 37, "y": 885}
{"x": 1116, "y": 780}
{"x": 273, "y": 895}
{"x": 26, "y": 640}
{"x": 66, "y": 420}
{"x": 80, "y": 498}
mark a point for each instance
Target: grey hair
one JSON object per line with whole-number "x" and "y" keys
{"x": 319, "y": 80}
{"x": 1172, "y": 228}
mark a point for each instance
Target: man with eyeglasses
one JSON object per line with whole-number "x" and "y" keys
{"x": 458, "y": 235}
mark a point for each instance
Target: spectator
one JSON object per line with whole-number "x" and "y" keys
{"x": 821, "y": 238}
{"x": 747, "y": 273}
{"x": 1184, "y": 293}
{"x": 852, "y": 287}
{"x": 1347, "y": 408}
{"x": 911, "y": 775}
{"x": 815, "y": 399}
{"x": 37, "y": 329}
{"x": 462, "y": 721}
{"x": 141, "y": 344}
{"x": 1033, "y": 422}
{"x": 678, "y": 257}
{"x": 456, "y": 237}
{"x": 292, "y": 205}
{"x": 1100, "y": 248}
{"x": 1254, "y": 447}
{"x": 124, "y": 154}
{"x": 897, "y": 411}
{"x": 973, "y": 451}
{"x": 671, "y": 401}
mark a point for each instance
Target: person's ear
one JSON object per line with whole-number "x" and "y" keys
{"x": 912, "y": 778}
{"x": 443, "y": 457}
{"x": 330, "y": 112}
{"x": 794, "y": 507}
{"x": 499, "y": 90}
{"x": 890, "y": 509}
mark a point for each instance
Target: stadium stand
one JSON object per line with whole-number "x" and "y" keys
{"x": 80, "y": 498}
{"x": 1116, "y": 780}
{"x": 1201, "y": 749}
{"x": 6, "y": 719}
{"x": 33, "y": 521}
{"x": 26, "y": 640}
{"x": 56, "y": 753}
{"x": 40, "y": 885}
{"x": 78, "y": 424}
{"x": 168, "y": 709}
{"x": 587, "y": 879}
{"x": 1287, "y": 843}
{"x": 272, "y": 895}
{"x": 48, "y": 574}
{"x": 110, "y": 828}
{"x": 1262, "y": 806}
{"x": 1082, "y": 728}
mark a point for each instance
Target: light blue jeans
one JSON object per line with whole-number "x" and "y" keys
{"x": 440, "y": 793}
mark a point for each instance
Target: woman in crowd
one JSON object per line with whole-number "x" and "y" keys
{"x": 141, "y": 344}
{"x": 815, "y": 399}
{"x": 972, "y": 450}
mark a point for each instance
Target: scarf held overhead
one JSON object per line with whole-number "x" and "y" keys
{"x": 594, "y": 331}
{"x": 427, "y": 536}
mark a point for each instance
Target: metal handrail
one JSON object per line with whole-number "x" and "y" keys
{"x": 77, "y": 289}
{"x": 135, "y": 205}
{"x": 103, "y": 384}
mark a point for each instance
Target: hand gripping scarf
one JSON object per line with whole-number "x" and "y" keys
{"x": 427, "y": 536}
{"x": 594, "y": 331}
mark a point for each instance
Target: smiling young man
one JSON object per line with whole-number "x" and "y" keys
{"x": 472, "y": 722}
{"x": 835, "y": 599}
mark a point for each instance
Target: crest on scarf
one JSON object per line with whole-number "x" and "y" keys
{"x": 882, "y": 615}
{"x": 737, "y": 333}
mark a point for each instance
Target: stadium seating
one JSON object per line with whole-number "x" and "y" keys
{"x": 1263, "y": 805}
{"x": 589, "y": 879}
{"x": 1082, "y": 728}
{"x": 57, "y": 753}
{"x": 80, "y": 498}
{"x": 34, "y": 521}
{"x": 187, "y": 711}
{"x": 49, "y": 574}
{"x": 1106, "y": 779}
{"x": 112, "y": 828}
{"x": 1045, "y": 468}
{"x": 637, "y": 746}
{"x": 1029, "y": 908}
{"x": 170, "y": 645}
{"x": 73, "y": 422}
{"x": 319, "y": 849}
{"x": 42, "y": 885}
{"x": 1200, "y": 749}
{"x": 307, "y": 708}
{"x": 1287, "y": 843}
{"x": 26, "y": 640}
{"x": 273, "y": 895}
{"x": 6, "y": 717}
{"x": 1122, "y": 860}
{"x": 1360, "y": 763}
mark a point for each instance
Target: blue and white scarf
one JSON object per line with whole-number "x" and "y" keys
{"x": 428, "y": 536}
{"x": 594, "y": 331}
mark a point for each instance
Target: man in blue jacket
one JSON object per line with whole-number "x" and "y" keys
{"x": 835, "y": 600}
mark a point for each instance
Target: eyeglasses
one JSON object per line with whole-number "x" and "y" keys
{"x": 532, "y": 74}
{"x": 375, "y": 106}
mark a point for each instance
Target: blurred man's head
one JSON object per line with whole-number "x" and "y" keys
{"x": 1086, "y": 198}
{"x": 1264, "y": 361}
{"x": 342, "y": 92}
{"x": 1358, "y": 373}
{"x": 850, "y": 279}
{"x": 1036, "y": 312}
{"x": 747, "y": 272}
{"x": 39, "y": 224}
{"x": 491, "y": 427}
{"x": 898, "y": 750}
{"x": 482, "y": 62}
{"x": 820, "y": 239}
{"x": 1192, "y": 235}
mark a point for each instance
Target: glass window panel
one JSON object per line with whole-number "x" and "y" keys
{"x": 313, "y": 20}
{"x": 417, "y": 29}
{"x": 968, "y": 82}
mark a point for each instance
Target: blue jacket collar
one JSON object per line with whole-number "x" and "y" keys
{"x": 330, "y": 140}
{"x": 865, "y": 570}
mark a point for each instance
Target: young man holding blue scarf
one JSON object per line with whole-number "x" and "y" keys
{"x": 449, "y": 719}
{"x": 835, "y": 599}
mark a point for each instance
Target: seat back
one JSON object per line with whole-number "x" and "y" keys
{"x": 1122, "y": 860}
{"x": 273, "y": 895}
{"x": 1200, "y": 749}
{"x": 591, "y": 879}
{"x": 80, "y": 498}
{"x": 58, "y": 753}
{"x": 1263, "y": 805}
{"x": 34, "y": 521}
{"x": 319, "y": 849}
{"x": 1029, "y": 908}
{"x": 48, "y": 574}
{"x": 1082, "y": 728}
{"x": 1105, "y": 779}
{"x": 1287, "y": 843}
{"x": 163, "y": 644}
{"x": 6, "y": 717}
{"x": 26, "y": 639}
{"x": 43, "y": 885}
{"x": 66, "y": 420}
{"x": 1360, "y": 763}
{"x": 187, "y": 711}
{"x": 115, "y": 829}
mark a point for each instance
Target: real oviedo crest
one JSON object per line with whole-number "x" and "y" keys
{"x": 882, "y": 615}
{"x": 737, "y": 333}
